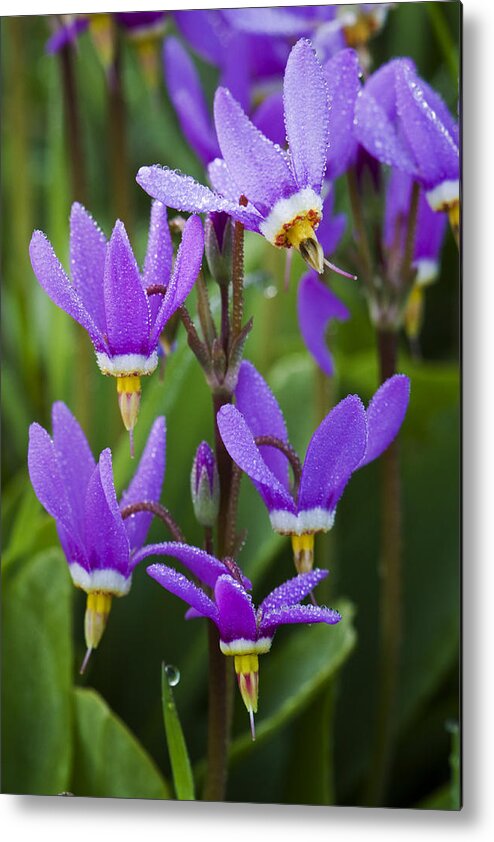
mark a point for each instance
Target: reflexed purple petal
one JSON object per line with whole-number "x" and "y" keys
{"x": 271, "y": 21}
{"x": 185, "y": 194}
{"x": 305, "y": 96}
{"x": 206, "y": 567}
{"x": 185, "y": 272}
{"x": 316, "y": 305}
{"x": 439, "y": 106}
{"x": 257, "y": 165}
{"x": 240, "y": 444}
{"x": 74, "y": 457}
{"x": 180, "y": 586}
{"x": 397, "y": 207}
{"x": 126, "y": 303}
{"x": 186, "y": 93}
{"x": 335, "y": 451}
{"x": 269, "y": 117}
{"x": 159, "y": 254}
{"x": 205, "y": 31}
{"x": 343, "y": 78}
{"x": 236, "y": 617}
{"x": 430, "y": 231}
{"x": 140, "y": 20}
{"x": 222, "y": 181}
{"x": 146, "y": 484}
{"x": 376, "y": 119}
{"x": 105, "y": 536}
{"x": 385, "y": 415}
{"x": 87, "y": 262}
{"x": 57, "y": 286}
{"x": 260, "y": 409}
{"x": 297, "y": 614}
{"x": 47, "y": 479}
{"x": 235, "y": 71}
{"x": 292, "y": 591}
{"x": 434, "y": 149}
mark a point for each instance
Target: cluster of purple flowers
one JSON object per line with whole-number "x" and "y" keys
{"x": 271, "y": 172}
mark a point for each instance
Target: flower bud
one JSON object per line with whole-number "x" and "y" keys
{"x": 205, "y": 485}
{"x": 218, "y": 246}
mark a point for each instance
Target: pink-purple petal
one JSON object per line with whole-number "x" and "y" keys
{"x": 335, "y": 451}
{"x": 146, "y": 483}
{"x": 47, "y": 478}
{"x": 385, "y": 415}
{"x": 178, "y": 584}
{"x": 105, "y": 536}
{"x": 236, "y": 616}
{"x": 296, "y": 614}
{"x": 126, "y": 303}
{"x": 185, "y": 194}
{"x": 316, "y": 306}
{"x": 186, "y": 93}
{"x": 305, "y": 96}
{"x": 292, "y": 591}
{"x": 269, "y": 117}
{"x": 185, "y": 272}
{"x": 238, "y": 440}
{"x": 87, "y": 262}
{"x": 343, "y": 79}
{"x": 258, "y": 405}
{"x": 258, "y": 166}
{"x": 57, "y": 286}
{"x": 206, "y": 567}
{"x": 74, "y": 457}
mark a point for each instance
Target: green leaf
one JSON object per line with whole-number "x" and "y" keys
{"x": 109, "y": 761}
{"x": 293, "y": 673}
{"x": 36, "y": 676}
{"x": 177, "y": 749}
{"x": 29, "y": 521}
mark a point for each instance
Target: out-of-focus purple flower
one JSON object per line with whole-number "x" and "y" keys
{"x": 245, "y": 632}
{"x": 67, "y": 32}
{"x": 205, "y": 485}
{"x": 79, "y": 494}
{"x": 196, "y": 121}
{"x": 283, "y": 189}
{"x": 430, "y": 228}
{"x": 343, "y": 75}
{"x": 348, "y": 438}
{"x": 123, "y": 310}
{"x": 403, "y": 122}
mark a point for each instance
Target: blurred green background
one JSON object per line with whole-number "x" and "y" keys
{"x": 103, "y": 734}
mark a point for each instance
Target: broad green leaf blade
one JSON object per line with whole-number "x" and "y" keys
{"x": 108, "y": 759}
{"x": 36, "y": 676}
{"x": 291, "y": 675}
{"x": 29, "y": 522}
{"x": 177, "y": 749}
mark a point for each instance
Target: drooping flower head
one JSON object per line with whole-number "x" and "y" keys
{"x": 403, "y": 122}
{"x": 79, "y": 493}
{"x": 245, "y": 632}
{"x": 123, "y": 310}
{"x": 348, "y": 438}
{"x": 282, "y": 190}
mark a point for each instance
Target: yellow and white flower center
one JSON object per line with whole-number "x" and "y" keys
{"x": 309, "y": 520}
{"x": 127, "y": 365}
{"x": 293, "y": 221}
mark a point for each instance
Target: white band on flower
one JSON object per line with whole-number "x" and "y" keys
{"x": 427, "y": 271}
{"x": 287, "y": 210}
{"x": 246, "y": 647}
{"x": 109, "y": 581}
{"x": 444, "y": 195}
{"x": 126, "y": 365}
{"x": 310, "y": 520}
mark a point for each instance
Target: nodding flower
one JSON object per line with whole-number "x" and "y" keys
{"x": 348, "y": 438}
{"x": 272, "y": 191}
{"x": 244, "y": 631}
{"x": 123, "y": 310}
{"x": 99, "y": 545}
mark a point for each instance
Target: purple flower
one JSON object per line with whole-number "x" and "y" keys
{"x": 347, "y": 439}
{"x": 282, "y": 189}
{"x": 403, "y": 122}
{"x": 79, "y": 493}
{"x": 188, "y": 98}
{"x": 205, "y": 485}
{"x": 123, "y": 310}
{"x": 245, "y": 632}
